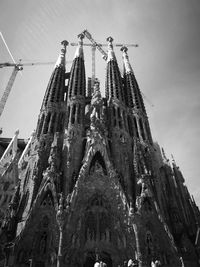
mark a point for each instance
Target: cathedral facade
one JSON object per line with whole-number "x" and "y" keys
{"x": 92, "y": 184}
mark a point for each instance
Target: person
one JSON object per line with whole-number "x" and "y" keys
{"x": 130, "y": 263}
{"x": 97, "y": 264}
{"x": 156, "y": 263}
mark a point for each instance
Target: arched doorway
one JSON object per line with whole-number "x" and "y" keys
{"x": 91, "y": 259}
{"x": 105, "y": 257}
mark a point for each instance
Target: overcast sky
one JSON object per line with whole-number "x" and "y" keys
{"x": 166, "y": 64}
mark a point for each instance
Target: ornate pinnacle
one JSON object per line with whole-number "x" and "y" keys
{"x": 64, "y": 43}
{"x": 111, "y": 55}
{"x": 61, "y": 58}
{"x": 127, "y": 65}
{"x": 81, "y": 36}
{"x": 109, "y": 39}
{"x": 124, "y": 49}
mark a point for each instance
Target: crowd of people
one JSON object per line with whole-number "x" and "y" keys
{"x": 130, "y": 263}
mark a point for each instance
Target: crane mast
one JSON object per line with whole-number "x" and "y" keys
{"x": 17, "y": 67}
{"x": 8, "y": 88}
{"x": 98, "y": 46}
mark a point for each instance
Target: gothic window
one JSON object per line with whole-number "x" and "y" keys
{"x": 60, "y": 122}
{"x": 130, "y": 127}
{"x": 46, "y": 124}
{"x": 104, "y": 226}
{"x": 114, "y": 116}
{"x": 52, "y": 123}
{"x": 136, "y": 128}
{"x": 97, "y": 224}
{"x": 26, "y": 199}
{"x": 6, "y": 186}
{"x": 149, "y": 243}
{"x": 79, "y": 114}
{"x": 119, "y": 117}
{"x": 98, "y": 160}
{"x": 147, "y": 129}
{"x": 142, "y": 129}
{"x": 73, "y": 181}
{"x": 41, "y": 121}
{"x": 47, "y": 200}
{"x": 42, "y": 249}
{"x": 45, "y": 222}
{"x": 125, "y": 121}
{"x": 131, "y": 96}
{"x": 70, "y": 89}
{"x": 68, "y": 114}
{"x": 73, "y": 114}
{"x": 27, "y": 176}
{"x": 91, "y": 226}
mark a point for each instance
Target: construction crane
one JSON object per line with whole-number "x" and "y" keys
{"x": 99, "y": 46}
{"x": 94, "y": 45}
{"x": 17, "y": 67}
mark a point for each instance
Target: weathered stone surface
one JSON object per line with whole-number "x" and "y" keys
{"x": 93, "y": 186}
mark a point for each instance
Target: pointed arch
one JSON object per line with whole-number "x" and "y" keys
{"x": 98, "y": 159}
{"x": 47, "y": 199}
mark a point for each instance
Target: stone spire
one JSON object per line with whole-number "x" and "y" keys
{"x": 50, "y": 119}
{"x": 111, "y": 54}
{"x": 77, "y": 83}
{"x": 75, "y": 126}
{"x": 135, "y": 101}
{"x": 79, "y": 51}
{"x": 114, "y": 84}
{"x": 61, "y": 58}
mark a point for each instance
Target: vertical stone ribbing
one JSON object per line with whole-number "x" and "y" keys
{"x": 51, "y": 118}
{"x": 134, "y": 102}
{"x": 119, "y": 124}
{"x": 113, "y": 86}
{"x": 75, "y": 118}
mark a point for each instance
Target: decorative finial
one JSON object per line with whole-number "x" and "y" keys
{"x": 111, "y": 54}
{"x": 79, "y": 50}
{"x": 127, "y": 64}
{"x": 110, "y": 39}
{"x": 124, "y": 49}
{"x": 61, "y": 58}
{"x": 64, "y": 43}
{"x": 81, "y": 36}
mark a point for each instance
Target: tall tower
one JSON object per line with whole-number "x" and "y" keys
{"x": 139, "y": 120}
{"x": 51, "y": 118}
{"x": 120, "y": 134}
{"x": 40, "y": 178}
{"x": 75, "y": 131}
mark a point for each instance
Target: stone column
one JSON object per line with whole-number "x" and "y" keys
{"x": 136, "y": 222}
{"x": 61, "y": 218}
